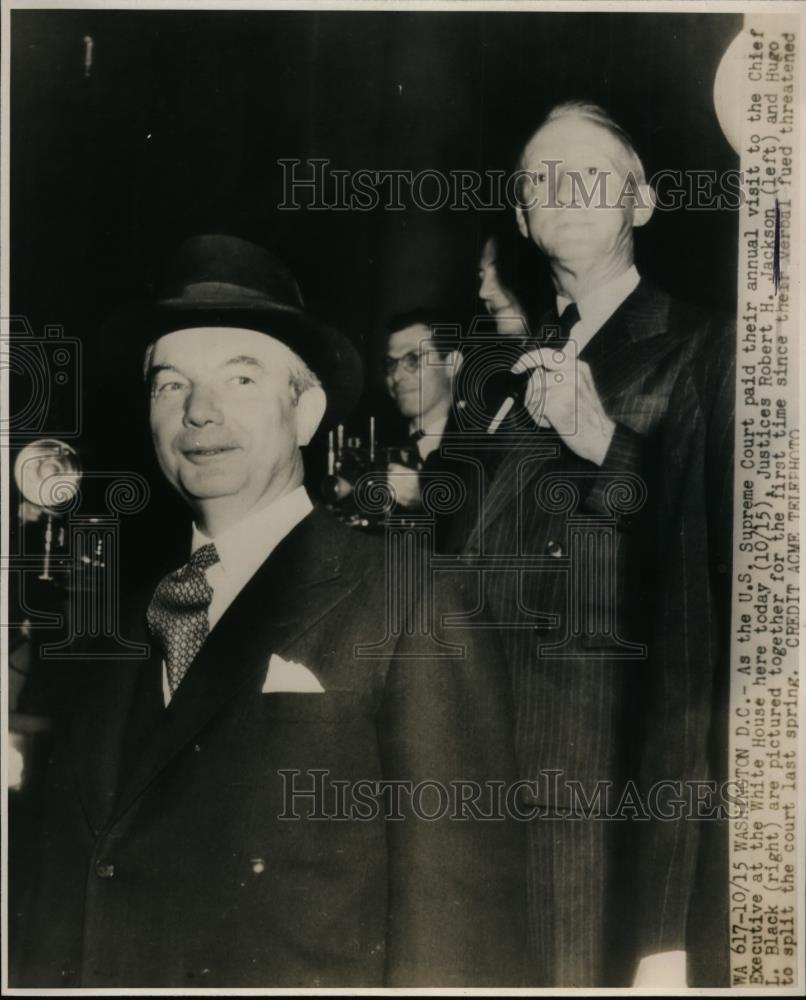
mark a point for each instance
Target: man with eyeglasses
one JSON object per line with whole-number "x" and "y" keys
{"x": 420, "y": 364}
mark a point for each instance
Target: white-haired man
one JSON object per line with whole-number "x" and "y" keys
{"x": 617, "y": 503}
{"x": 217, "y": 815}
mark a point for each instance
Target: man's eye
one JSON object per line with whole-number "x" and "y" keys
{"x": 243, "y": 380}
{"x": 592, "y": 171}
{"x": 167, "y": 387}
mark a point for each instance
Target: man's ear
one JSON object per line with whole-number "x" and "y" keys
{"x": 644, "y": 205}
{"x": 454, "y": 361}
{"x": 520, "y": 218}
{"x": 310, "y": 410}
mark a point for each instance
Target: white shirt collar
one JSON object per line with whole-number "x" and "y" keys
{"x": 436, "y": 426}
{"x": 241, "y": 550}
{"x": 596, "y": 308}
{"x": 244, "y": 546}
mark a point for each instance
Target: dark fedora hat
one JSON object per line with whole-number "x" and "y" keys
{"x": 221, "y": 280}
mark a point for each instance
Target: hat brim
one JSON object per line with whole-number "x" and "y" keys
{"x": 329, "y": 354}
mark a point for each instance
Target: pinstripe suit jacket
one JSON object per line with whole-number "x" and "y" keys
{"x": 590, "y": 590}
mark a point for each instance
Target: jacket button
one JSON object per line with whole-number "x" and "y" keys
{"x": 554, "y": 549}
{"x": 105, "y": 870}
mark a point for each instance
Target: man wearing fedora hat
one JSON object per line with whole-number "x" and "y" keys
{"x": 237, "y": 809}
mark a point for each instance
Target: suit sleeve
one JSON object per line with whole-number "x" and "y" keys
{"x": 457, "y": 892}
{"x": 685, "y": 731}
{"x": 626, "y": 455}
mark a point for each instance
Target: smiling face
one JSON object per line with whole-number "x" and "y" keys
{"x": 499, "y": 303}
{"x": 224, "y": 418}
{"x": 556, "y": 216}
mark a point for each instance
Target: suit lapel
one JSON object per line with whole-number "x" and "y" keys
{"x": 99, "y": 733}
{"x": 299, "y": 583}
{"x": 524, "y": 456}
{"x": 627, "y": 344}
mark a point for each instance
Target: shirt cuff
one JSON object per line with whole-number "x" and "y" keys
{"x": 666, "y": 968}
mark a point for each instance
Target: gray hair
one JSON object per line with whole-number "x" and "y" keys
{"x": 597, "y": 115}
{"x": 300, "y": 376}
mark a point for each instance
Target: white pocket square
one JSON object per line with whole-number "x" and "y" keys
{"x": 289, "y": 677}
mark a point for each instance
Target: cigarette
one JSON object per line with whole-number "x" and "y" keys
{"x": 503, "y": 410}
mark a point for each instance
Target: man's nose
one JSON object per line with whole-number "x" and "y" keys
{"x": 395, "y": 374}
{"x": 565, "y": 188}
{"x": 202, "y": 407}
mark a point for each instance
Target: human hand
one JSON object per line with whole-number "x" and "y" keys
{"x": 406, "y": 484}
{"x": 561, "y": 394}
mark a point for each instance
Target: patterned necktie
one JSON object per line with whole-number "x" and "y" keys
{"x": 177, "y": 615}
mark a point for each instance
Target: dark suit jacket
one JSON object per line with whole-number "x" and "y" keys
{"x": 164, "y": 861}
{"x": 593, "y": 645}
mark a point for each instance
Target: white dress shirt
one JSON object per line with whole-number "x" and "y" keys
{"x": 242, "y": 549}
{"x": 596, "y": 308}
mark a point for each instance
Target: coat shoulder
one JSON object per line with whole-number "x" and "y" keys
{"x": 354, "y": 549}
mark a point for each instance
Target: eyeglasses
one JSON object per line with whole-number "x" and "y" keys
{"x": 410, "y": 363}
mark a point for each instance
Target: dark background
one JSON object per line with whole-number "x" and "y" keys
{"x": 178, "y": 125}
{"x": 176, "y": 129}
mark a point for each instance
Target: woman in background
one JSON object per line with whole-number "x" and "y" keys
{"x": 513, "y": 282}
